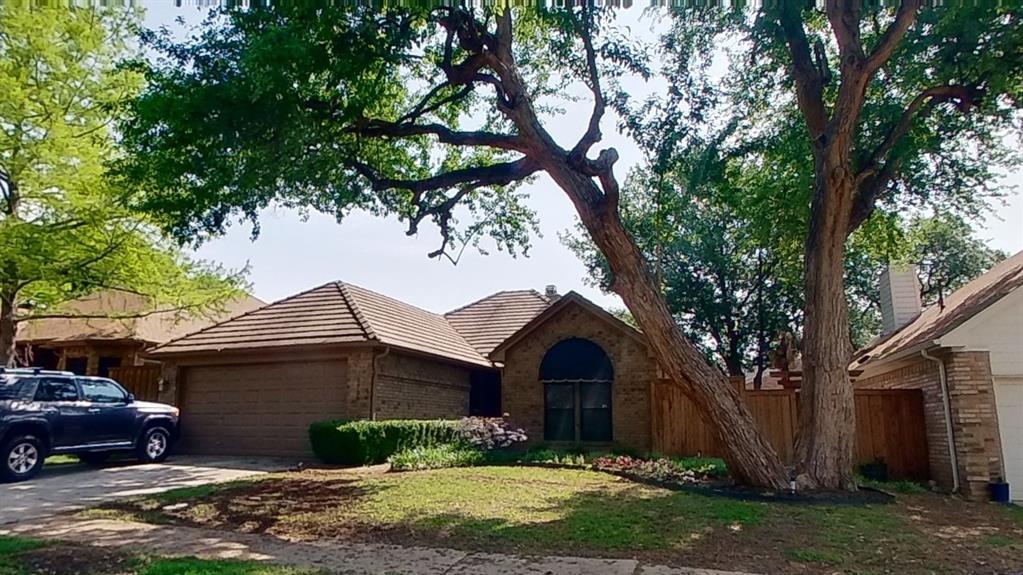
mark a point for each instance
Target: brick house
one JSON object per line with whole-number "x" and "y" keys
{"x": 109, "y": 329}
{"x": 560, "y": 366}
{"x": 966, "y": 355}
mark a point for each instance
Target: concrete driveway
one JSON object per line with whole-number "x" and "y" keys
{"x": 63, "y": 488}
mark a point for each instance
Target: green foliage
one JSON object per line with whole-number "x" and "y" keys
{"x": 10, "y": 544}
{"x": 731, "y": 282}
{"x": 65, "y": 229}
{"x": 435, "y": 457}
{"x": 193, "y": 566}
{"x": 370, "y": 442}
{"x": 710, "y": 466}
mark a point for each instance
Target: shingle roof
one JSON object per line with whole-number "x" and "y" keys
{"x": 402, "y": 325}
{"x": 315, "y": 317}
{"x": 488, "y": 322}
{"x": 334, "y": 313}
{"x": 960, "y": 306}
{"x": 150, "y": 325}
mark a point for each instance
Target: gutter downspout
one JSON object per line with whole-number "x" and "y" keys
{"x": 373, "y": 383}
{"x": 949, "y": 430}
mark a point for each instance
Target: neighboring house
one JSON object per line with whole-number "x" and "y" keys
{"x": 92, "y": 345}
{"x": 560, "y": 366}
{"x": 966, "y": 354}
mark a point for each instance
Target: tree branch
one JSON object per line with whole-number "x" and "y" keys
{"x": 491, "y": 175}
{"x": 380, "y": 128}
{"x": 884, "y": 48}
{"x": 844, "y": 16}
{"x": 808, "y": 78}
{"x": 592, "y": 134}
{"x": 880, "y": 167}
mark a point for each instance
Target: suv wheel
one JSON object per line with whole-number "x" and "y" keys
{"x": 155, "y": 445}
{"x": 21, "y": 458}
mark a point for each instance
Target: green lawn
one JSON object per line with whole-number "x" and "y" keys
{"x": 61, "y": 460}
{"x": 579, "y": 512}
{"x": 24, "y": 556}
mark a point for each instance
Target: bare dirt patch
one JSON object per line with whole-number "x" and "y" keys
{"x": 76, "y": 560}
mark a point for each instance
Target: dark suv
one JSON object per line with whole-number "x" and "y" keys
{"x": 49, "y": 412}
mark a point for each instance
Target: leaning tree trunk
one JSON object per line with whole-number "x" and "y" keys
{"x": 750, "y": 458}
{"x": 825, "y": 441}
{"x": 7, "y": 331}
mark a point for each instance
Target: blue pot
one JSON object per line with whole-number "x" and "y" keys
{"x": 999, "y": 491}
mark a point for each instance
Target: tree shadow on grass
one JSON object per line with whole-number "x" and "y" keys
{"x": 258, "y": 506}
{"x": 590, "y": 522}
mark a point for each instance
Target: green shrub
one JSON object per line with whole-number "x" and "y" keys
{"x": 435, "y": 457}
{"x": 369, "y": 442}
{"x": 708, "y": 466}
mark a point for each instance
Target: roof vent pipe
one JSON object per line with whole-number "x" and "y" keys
{"x": 551, "y": 291}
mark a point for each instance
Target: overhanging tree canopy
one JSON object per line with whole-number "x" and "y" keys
{"x": 65, "y": 231}
{"x": 417, "y": 112}
{"x": 413, "y": 113}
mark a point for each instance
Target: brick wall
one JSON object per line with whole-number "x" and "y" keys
{"x": 522, "y": 395}
{"x": 410, "y": 387}
{"x": 974, "y": 417}
{"x": 975, "y": 420}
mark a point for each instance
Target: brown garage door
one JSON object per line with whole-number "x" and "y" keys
{"x": 259, "y": 409}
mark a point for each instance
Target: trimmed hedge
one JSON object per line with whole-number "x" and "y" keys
{"x": 368, "y": 442}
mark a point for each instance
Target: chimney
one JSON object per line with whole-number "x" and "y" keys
{"x": 900, "y": 296}
{"x": 551, "y": 291}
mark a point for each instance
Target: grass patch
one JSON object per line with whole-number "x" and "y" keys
{"x": 546, "y": 511}
{"x": 810, "y": 555}
{"x": 903, "y": 486}
{"x": 192, "y": 566}
{"x": 10, "y": 545}
{"x": 25, "y": 556}
{"x": 1015, "y": 513}
{"x": 61, "y": 460}
{"x": 552, "y": 509}
{"x": 998, "y": 540}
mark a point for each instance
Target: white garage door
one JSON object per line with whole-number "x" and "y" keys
{"x": 259, "y": 409}
{"x": 1009, "y": 395}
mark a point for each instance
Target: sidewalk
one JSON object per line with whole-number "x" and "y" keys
{"x": 330, "y": 555}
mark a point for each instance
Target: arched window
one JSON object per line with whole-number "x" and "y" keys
{"x": 577, "y": 377}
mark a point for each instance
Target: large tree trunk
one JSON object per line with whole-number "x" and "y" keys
{"x": 750, "y": 458}
{"x": 7, "y": 331}
{"x": 825, "y": 441}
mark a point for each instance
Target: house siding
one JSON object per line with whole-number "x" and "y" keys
{"x": 997, "y": 329}
{"x": 522, "y": 393}
{"x": 410, "y": 387}
{"x": 974, "y": 416}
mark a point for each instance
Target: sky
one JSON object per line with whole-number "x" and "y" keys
{"x": 293, "y": 253}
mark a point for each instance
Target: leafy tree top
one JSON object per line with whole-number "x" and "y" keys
{"x": 65, "y": 230}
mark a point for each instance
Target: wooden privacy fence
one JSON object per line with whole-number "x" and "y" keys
{"x": 889, "y": 426}
{"x": 142, "y": 381}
